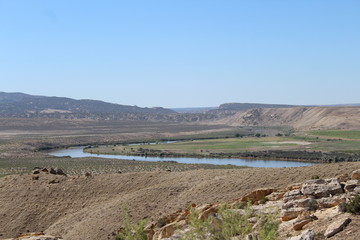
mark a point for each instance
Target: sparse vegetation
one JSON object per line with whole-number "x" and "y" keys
{"x": 353, "y": 206}
{"x": 268, "y": 227}
{"x": 132, "y": 231}
{"x": 312, "y": 205}
{"x": 223, "y": 225}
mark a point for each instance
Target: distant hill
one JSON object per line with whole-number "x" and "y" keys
{"x": 20, "y": 104}
{"x": 299, "y": 117}
{"x": 246, "y": 106}
{"x": 194, "y": 109}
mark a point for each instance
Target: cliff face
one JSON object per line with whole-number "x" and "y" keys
{"x": 304, "y": 118}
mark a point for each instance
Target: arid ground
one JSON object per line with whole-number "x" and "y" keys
{"x": 92, "y": 207}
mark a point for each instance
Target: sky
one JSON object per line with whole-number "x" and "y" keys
{"x": 183, "y": 53}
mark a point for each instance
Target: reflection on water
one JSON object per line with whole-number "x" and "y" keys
{"x": 77, "y": 152}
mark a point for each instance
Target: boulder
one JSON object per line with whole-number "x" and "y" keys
{"x": 351, "y": 185}
{"x": 299, "y": 203}
{"x": 54, "y": 181}
{"x": 336, "y": 227}
{"x": 343, "y": 177}
{"x": 295, "y": 186}
{"x": 291, "y": 213}
{"x": 305, "y": 235}
{"x": 52, "y": 171}
{"x": 357, "y": 190}
{"x": 35, "y": 177}
{"x": 59, "y": 171}
{"x": 257, "y": 195}
{"x": 276, "y": 196}
{"x": 330, "y": 201}
{"x": 293, "y": 195}
{"x": 321, "y": 187}
{"x": 167, "y": 230}
{"x": 302, "y": 221}
{"x": 355, "y": 175}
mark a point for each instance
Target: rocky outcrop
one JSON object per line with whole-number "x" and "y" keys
{"x": 296, "y": 206}
{"x": 256, "y": 195}
{"x": 322, "y": 187}
{"x": 54, "y": 171}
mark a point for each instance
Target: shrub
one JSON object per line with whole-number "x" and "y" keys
{"x": 353, "y": 206}
{"x": 263, "y": 200}
{"x": 268, "y": 227}
{"x": 312, "y": 205}
{"x": 132, "y": 231}
{"x": 226, "y": 223}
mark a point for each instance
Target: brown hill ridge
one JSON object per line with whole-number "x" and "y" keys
{"x": 304, "y": 118}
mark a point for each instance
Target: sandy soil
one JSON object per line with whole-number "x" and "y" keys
{"x": 92, "y": 207}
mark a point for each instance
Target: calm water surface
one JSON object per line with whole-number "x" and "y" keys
{"x": 77, "y": 152}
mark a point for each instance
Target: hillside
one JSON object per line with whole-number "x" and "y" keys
{"x": 303, "y": 118}
{"x": 19, "y": 104}
{"x": 246, "y": 106}
{"x": 79, "y": 207}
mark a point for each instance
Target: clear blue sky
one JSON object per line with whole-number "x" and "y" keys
{"x": 182, "y": 53}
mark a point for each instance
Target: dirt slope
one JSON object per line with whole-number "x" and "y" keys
{"x": 91, "y": 207}
{"x": 304, "y": 118}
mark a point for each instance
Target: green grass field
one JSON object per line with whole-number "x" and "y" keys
{"x": 353, "y": 134}
{"x": 234, "y": 145}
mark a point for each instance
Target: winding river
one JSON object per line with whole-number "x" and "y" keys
{"x": 77, "y": 152}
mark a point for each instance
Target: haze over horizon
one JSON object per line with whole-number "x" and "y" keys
{"x": 182, "y": 53}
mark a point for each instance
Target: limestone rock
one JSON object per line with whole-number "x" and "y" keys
{"x": 257, "y": 195}
{"x": 322, "y": 187}
{"x": 343, "y": 177}
{"x": 35, "y": 177}
{"x": 36, "y": 236}
{"x": 167, "y": 230}
{"x": 330, "y": 201}
{"x": 337, "y": 226}
{"x": 299, "y": 203}
{"x": 295, "y": 186}
{"x": 291, "y": 213}
{"x": 351, "y": 185}
{"x": 305, "y": 235}
{"x": 59, "y": 171}
{"x": 206, "y": 213}
{"x": 52, "y": 171}
{"x": 275, "y": 196}
{"x": 302, "y": 221}
{"x": 355, "y": 175}
{"x": 293, "y": 195}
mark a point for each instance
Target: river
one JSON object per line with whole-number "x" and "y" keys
{"x": 77, "y": 152}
